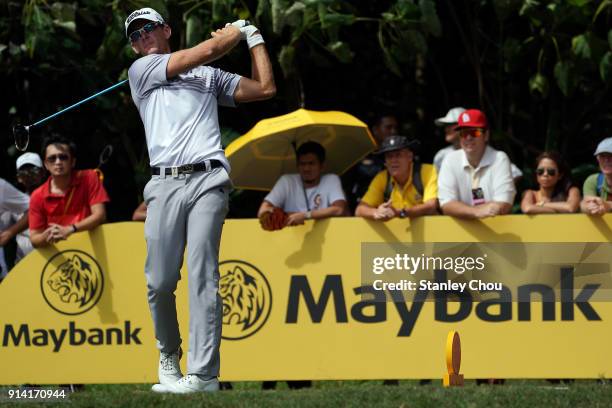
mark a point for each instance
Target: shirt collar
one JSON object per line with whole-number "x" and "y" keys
{"x": 408, "y": 182}
{"x": 74, "y": 181}
{"x": 488, "y": 158}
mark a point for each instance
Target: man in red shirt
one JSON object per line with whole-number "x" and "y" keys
{"x": 69, "y": 201}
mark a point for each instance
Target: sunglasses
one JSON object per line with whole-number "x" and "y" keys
{"x": 147, "y": 28}
{"x": 471, "y": 132}
{"x": 54, "y": 157}
{"x": 551, "y": 172}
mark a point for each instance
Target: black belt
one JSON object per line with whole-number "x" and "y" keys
{"x": 187, "y": 168}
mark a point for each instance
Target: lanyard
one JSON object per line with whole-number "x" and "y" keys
{"x": 475, "y": 175}
{"x": 305, "y": 197}
{"x": 67, "y": 205}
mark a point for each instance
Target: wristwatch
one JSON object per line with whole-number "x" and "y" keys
{"x": 308, "y": 215}
{"x": 403, "y": 213}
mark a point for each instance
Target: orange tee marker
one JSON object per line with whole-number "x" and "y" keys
{"x": 453, "y": 361}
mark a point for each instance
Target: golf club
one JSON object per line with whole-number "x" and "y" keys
{"x": 105, "y": 155}
{"x": 22, "y": 133}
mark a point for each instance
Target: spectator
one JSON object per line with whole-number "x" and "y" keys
{"x": 308, "y": 194}
{"x": 30, "y": 174}
{"x": 451, "y": 134}
{"x": 12, "y": 201}
{"x": 556, "y": 194}
{"x": 476, "y": 181}
{"x": 406, "y": 188}
{"x": 597, "y": 187}
{"x": 359, "y": 177}
{"x": 69, "y": 201}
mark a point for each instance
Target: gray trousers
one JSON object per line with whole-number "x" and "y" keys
{"x": 187, "y": 210}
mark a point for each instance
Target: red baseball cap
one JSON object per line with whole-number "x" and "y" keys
{"x": 472, "y": 118}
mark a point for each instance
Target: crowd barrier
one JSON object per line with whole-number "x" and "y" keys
{"x": 293, "y": 308}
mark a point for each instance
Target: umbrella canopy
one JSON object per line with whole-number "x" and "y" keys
{"x": 259, "y": 157}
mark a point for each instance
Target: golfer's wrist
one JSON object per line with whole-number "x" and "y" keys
{"x": 252, "y": 35}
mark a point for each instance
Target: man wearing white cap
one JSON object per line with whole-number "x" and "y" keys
{"x": 30, "y": 174}
{"x": 30, "y": 171}
{"x": 451, "y": 134}
{"x": 597, "y": 189}
{"x": 187, "y": 197}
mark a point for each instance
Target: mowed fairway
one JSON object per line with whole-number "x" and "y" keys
{"x": 356, "y": 394}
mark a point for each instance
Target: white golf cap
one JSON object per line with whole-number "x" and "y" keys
{"x": 605, "y": 146}
{"x": 29, "y": 158}
{"x": 146, "y": 13}
{"x": 451, "y": 117}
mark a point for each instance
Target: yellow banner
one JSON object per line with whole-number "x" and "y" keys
{"x": 77, "y": 312}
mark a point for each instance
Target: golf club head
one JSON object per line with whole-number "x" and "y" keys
{"x": 22, "y": 137}
{"x": 105, "y": 155}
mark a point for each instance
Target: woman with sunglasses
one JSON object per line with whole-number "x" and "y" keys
{"x": 556, "y": 194}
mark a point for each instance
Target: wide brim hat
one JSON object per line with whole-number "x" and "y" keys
{"x": 392, "y": 143}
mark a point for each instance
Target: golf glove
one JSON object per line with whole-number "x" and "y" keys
{"x": 247, "y": 33}
{"x": 252, "y": 38}
{"x": 240, "y": 24}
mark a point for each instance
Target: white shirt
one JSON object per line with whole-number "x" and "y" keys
{"x": 439, "y": 157}
{"x": 441, "y": 154}
{"x": 11, "y": 201}
{"x": 180, "y": 115}
{"x": 457, "y": 178}
{"x": 288, "y": 193}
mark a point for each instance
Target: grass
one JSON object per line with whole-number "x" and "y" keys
{"x": 355, "y": 394}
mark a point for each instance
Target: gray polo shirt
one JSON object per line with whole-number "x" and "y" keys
{"x": 180, "y": 115}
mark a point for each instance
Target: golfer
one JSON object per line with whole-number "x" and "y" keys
{"x": 187, "y": 196}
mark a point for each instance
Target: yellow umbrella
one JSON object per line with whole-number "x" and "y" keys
{"x": 267, "y": 151}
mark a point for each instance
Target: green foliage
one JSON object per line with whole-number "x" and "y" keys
{"x": 565, "y": 76}
{"x": 286, "y": 59}
{"x": 341, "y": 50}
{"x": 429, "y": 17}
{"x": 538, "y": 86}
{"x": 605, "y": 68}
{"x": 542, "y": 70}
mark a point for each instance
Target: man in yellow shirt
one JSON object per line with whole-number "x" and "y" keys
{"x": 406, "y": 188}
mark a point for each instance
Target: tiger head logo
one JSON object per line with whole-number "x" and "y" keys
{"x": 75, "y": 285}
{"x": 247, "y": 299}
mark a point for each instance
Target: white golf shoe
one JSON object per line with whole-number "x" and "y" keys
{"x": 169, "y": 368}
{"x": 189, "y": 384}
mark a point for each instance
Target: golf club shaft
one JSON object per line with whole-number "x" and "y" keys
{"x": 79, "y": 103}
